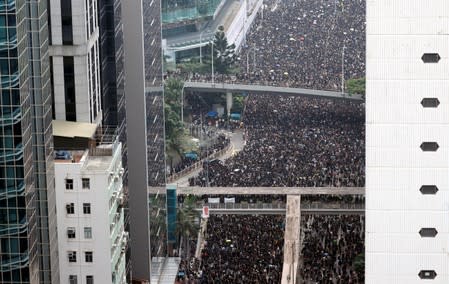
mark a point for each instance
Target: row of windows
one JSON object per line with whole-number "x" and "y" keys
{"x": 73, "y": 279}
{"x": 71, "y": 232}
{"x": 429, "y": 147}
{"x": 88, "y": 256}
{"x": 70, "y": 208}
{"x": 85, "y": 183}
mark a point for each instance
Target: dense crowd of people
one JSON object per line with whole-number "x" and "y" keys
{"x": 243, "y": 249}
{"x": 295, "y": 141}
{"x": 292, "y": 142}
{"x": 301, "y": 43}
{"x": 330, "y": 246}
{"x": 217, "y": 143}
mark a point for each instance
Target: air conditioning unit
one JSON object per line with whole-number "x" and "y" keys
{"x": 121, "y": 171}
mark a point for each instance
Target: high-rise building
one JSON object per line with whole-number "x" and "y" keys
{"x": 27, "y": 201}
{"x": 112, "y": 71}
{"x": 75, "y": 60}
{"x": 92, "y": 239}
{"x": 145, "y": 129}
{"x": 407, "y": 136}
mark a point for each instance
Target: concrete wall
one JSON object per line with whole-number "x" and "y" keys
{"x": 398, "y": 34}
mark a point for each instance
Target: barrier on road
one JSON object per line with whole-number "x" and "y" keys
{"x": 197, "y": 165}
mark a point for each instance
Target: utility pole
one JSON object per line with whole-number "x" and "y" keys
{"x": 343, "y": 70}
{"x": 212, "y": 57}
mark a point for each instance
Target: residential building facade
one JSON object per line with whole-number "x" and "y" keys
{"x": 89, "y": 191}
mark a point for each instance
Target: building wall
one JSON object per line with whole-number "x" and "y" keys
{"x": 76, "y": 60}
{"x": 39, "y": 72}
{"x": 26, "y": 191}
{"x": 398, "y": 34}
{"x": 106, "y": 219}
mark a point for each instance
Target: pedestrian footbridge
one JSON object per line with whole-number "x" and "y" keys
{"x": 263, "y": 89}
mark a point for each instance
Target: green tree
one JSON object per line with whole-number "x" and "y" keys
{"x": 187, "y": 225}
{"x": 359, "y": 263}
{"x": 356, "y": 86}
{"x": 224, "y": 53}
{"x": 173, "y": 123}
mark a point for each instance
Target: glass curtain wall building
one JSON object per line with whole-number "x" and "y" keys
{"x": 27, "y": 208}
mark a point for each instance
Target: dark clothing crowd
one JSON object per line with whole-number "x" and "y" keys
{"x": 243, "y": 249}
{"x": 330, "y": 246}
{"x": 295, "y": 141}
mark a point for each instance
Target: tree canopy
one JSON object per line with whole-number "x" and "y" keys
{"x": 224, "y": 53}
{"x": 356, "y": 86}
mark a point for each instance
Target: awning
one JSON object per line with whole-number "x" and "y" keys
{"x": 72, "y": 129}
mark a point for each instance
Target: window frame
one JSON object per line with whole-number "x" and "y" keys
{"x": 87, "y": 208}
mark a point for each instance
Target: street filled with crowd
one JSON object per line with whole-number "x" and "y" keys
{"x": 300, "y": 43}
{"x": 292, "y": 142}
{"x": 330, "y": 247}
{"x": 295, "y": 141}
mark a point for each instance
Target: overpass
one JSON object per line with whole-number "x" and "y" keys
{"x": 279, "y": 208}
{"x": 197, "y": 190}
{"x": 262, "y": 89}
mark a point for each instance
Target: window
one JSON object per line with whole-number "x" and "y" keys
{"x": 71, "y": 232}
{"x": 86, "y": 183}
{"x": 72, "y": 256}
{"x": 70, "y": 208}
{"x": 69, "y": 184}
{"x": 429, "y": 146}
{"x": 430, "y": 102}
{"x": 430, "y": 58}
{"x": 88, "y": 256}
{"x": 428, "y": 232}
{"x": 66, "y": 22}
{"x": 427, "y": 274}
{"x": 89, "y": 279}
{"x": 73, "y": 279}
{"x": 429, "y": 189}
{"x": 88, "y": 232}
{"x": 86, "y": 208}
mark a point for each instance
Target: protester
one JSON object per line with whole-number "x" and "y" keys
{"x": 295, "y": 141}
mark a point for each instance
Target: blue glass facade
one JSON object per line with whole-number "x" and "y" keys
{"x": 26, "y": 166}
{"x": 19, "y": 261}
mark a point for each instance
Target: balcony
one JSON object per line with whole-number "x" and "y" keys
{"x": 12, "y": 155}
{"x": 11, "y": 118}
{"x": 19, "y": 261}
{"x": 7, "y": 6}
{"x": 12, "y": 229}
{"x": 12, "y": 191}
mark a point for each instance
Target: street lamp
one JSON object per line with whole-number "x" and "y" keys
{"x": 212, "y": 57}
{"x": 201, "y": 43}
{"x": 343, "y": 70}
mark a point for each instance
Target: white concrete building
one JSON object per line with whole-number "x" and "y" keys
{"x": 74, "y": 59}
{"x": 407, "y": 142}
{"x": 91, "y": 236}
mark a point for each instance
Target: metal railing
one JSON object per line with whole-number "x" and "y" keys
{"x": 198, "y": 164}
{"x": 282, "y": 205}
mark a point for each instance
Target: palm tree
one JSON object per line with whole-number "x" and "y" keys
{"x": 187, "y": 225}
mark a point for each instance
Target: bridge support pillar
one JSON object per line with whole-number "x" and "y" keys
{"x": 292, "y": 247}
{"x": 229, "y": 103}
